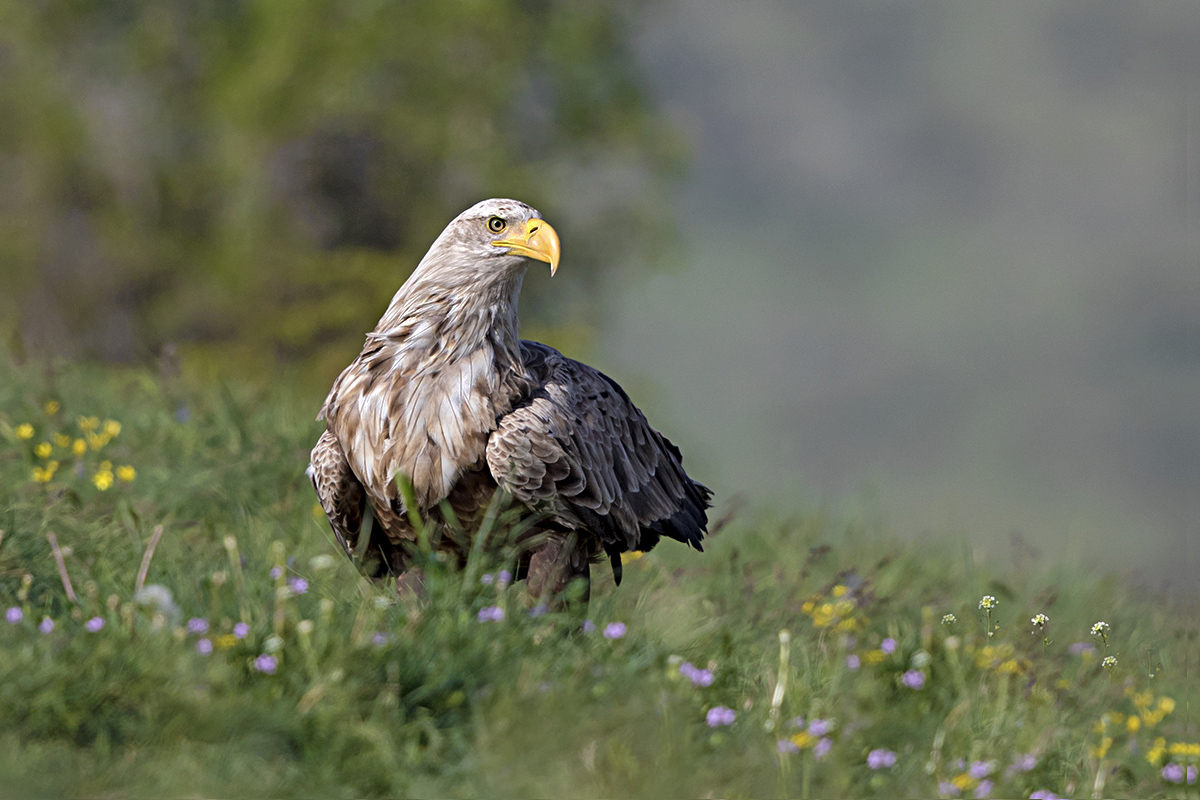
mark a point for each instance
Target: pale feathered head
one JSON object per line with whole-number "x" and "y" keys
{"x": 493, "y": 238}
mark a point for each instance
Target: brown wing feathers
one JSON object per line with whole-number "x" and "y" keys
{"x": 577, "y": 447}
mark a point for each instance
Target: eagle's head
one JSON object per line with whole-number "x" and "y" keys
{"x": 494, "y": 237}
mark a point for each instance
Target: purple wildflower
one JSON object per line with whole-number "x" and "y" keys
{"x": 14, "y": 615}
{"x": 47, "y": 625}
{"x": 538, "y": 610}
{"x": 379, "y": 639}
{"x": 1191, "y": 774}
{"x": 266, "y": 664}
{"x": 1043, "y": 794}
{"x": 822, "y": 748}
{"x": 614, "y": 630}
{"x": 197, "y": 625}
{"x": 718, "y": 716}
{"x": 913, "y": 679}
{"x": 487, "y": 579}
{"x": 981, "y": 769}
{"x": 796, "y": 722}
{"x": 1173, "y": 773}
{"x": 204, "y": 647}
{"x": 853, "y": 662}
{"x": 298, "y": 585}
{"x": 849, "y": 642}
{"x": 588, "y": 626}
{"x": 698, "y": 677}
{"x": 888, "y": 645}
{"x": 241, "y": 630}
{"x": 182, "y": 415}
{"x": 785, "y": 746}
{"x": 276, "y": 572}
{"x": 984, "y": 789}
{"x": 1079, "y": 648}
{"x": 503, "y": 578}
{"x": 881, "y": 758}
{"x": 947, "y": 789}
{"x": 1023, "y": 763}
{"x": 819, "y": 727}
{"x": 94, "y": 624}
{"x": 491, "y": 614}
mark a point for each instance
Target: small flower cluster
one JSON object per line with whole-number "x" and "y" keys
{"x": 815, "y": 736}
{"x": 837, "y": 612}
{"x": 719, "y": 716}
{"x": 62, "y": 442}
{"x": 975, "y": 777}
{"x": 697, "y": 676}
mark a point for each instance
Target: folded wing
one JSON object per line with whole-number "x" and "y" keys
{"x": 576, "y": 449}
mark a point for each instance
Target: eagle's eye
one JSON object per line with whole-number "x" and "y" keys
{"x": 495, "y": 224}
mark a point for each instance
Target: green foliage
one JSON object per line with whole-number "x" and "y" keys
{"x": 369, "y": 695}
{"x": 256, "y": 178}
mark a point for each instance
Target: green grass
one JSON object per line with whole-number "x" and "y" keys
{"x": 374, "y": 696}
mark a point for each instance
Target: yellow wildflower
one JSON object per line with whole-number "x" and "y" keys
{"x": 225, "y": 642}
{"x": 873, "y": 656}
{"x": 51, "y": 407}
{"x": 1132, "y": 724}
{"x": 43, "y": 450}
{"x": 848, "y": 625}
{"x": 1143, "y": 700}
{"x": 963, "y": 781}
{"x": 1157, "y": 750}
{"x": 1166, "y": 705}
{"x": 62, "y": 440}
{"x": 88, "y": 423}
{"x": 1185, "y": 749}
{"x": 1009, "y": 667}
{"x": 807, "y": 607}
{"x": 103, "y": 480}
{"x": 633, "y": 555}
{"x": 24, "y": 431}
{"x": 839, "y": 591}
{"x": 803, "y": 739}
{"x": 97, "y": 440}
{"x": 112, "y": 428}
{"x": 126, "y": 473}
{"x": 106, "y": 465}
{"x": 46, "y": 473}
{"x": 79, "y": 447}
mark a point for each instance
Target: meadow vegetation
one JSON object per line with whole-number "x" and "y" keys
{"x": 798, "y": 656}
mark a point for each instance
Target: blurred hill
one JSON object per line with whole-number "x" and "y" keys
{"x": 254, "y": 179}
{"x": 940, "y": 257}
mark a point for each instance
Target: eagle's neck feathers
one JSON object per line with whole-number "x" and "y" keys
{"x": 431, "y": 382}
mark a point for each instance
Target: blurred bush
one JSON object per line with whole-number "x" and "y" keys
{"x": 253, "y": 179}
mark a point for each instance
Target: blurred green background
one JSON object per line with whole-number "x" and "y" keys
{"x": 934, "y": 261}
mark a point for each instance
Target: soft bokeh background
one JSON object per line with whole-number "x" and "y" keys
{"x": 932, "y": 262}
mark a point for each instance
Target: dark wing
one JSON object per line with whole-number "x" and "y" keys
{"x": 344, "y": 501}
{"x": 577, "y": 449}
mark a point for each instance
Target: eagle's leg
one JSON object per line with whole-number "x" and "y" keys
{"x": 553, "y": 567}
{"x": 411, "y": 583}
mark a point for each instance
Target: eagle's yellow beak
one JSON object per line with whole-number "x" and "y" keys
{"x": 538, "y": 240}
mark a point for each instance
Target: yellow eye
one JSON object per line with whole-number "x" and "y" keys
{"x": 495, "y": 224}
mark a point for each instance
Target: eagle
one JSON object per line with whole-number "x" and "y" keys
{"x": 446, "y": 406}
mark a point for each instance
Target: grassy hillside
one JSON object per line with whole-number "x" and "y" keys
{"x": 255, "y": 662}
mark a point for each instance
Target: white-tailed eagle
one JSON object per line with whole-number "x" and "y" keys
{"x": 446, "y": 395}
